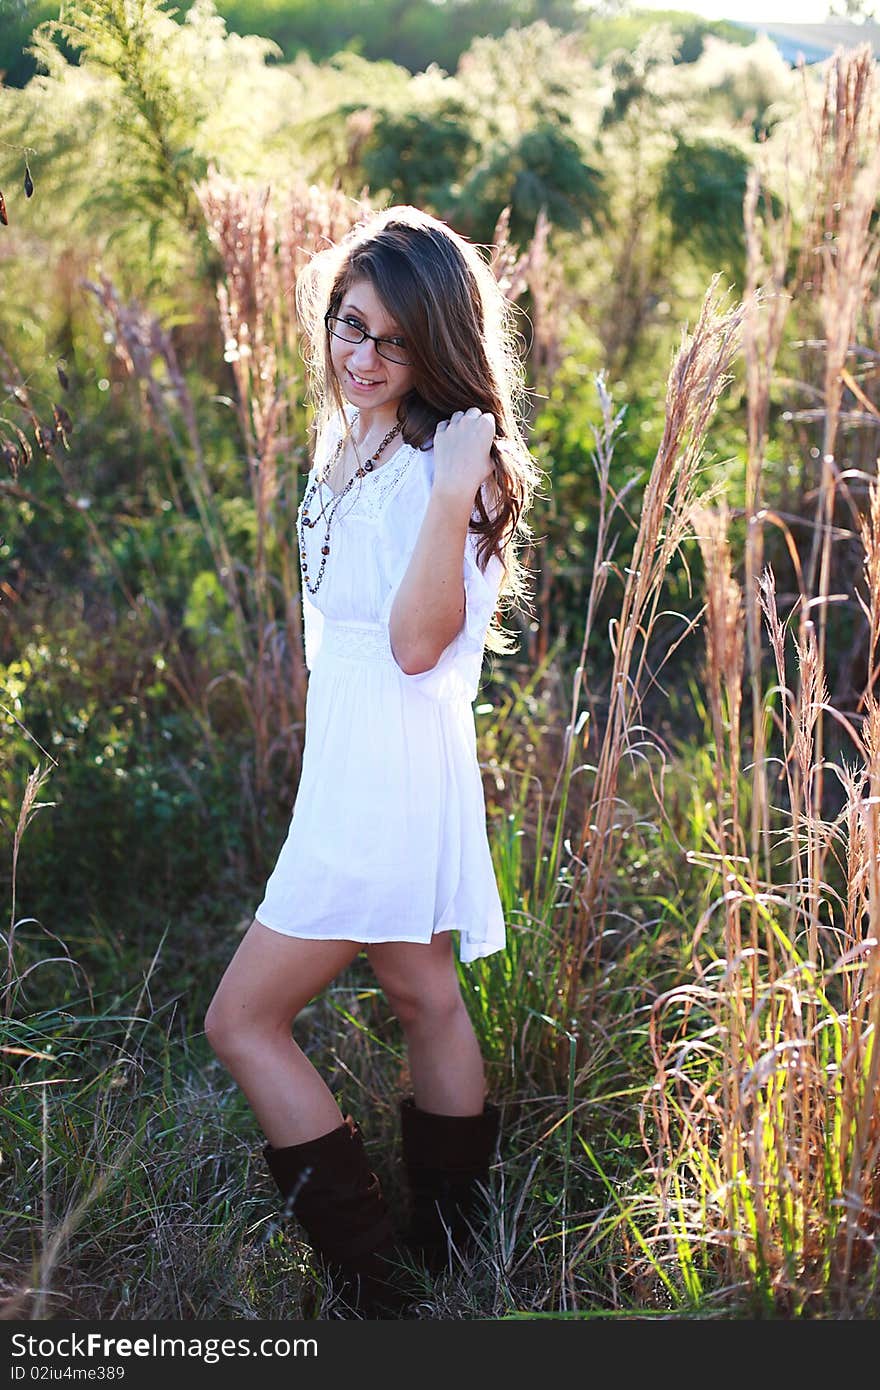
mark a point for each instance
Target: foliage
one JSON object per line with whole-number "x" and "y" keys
{"x": 418, "y": 157}
{"x": 626, "y": 29}
{"x": 153, "y": 99}
{"x": 470, "y": 161}
{"x": 414, "y": 34}
{"x": 544, "y": 169}
{"x": 702, "y": 189}
{"x": 159, "y": 805}
{"x": 752, "y": 87}
{"x": 18, "y": 18}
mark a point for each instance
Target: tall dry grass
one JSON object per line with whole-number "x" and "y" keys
{"x": 838, "y": 263}
{"x": 699, "y": 373}
{"x": 763, "y": 1122}
{"x": 768, "y": 236}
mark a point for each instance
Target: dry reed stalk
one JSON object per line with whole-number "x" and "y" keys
{"x": 809, "y": 836}
{"x": 725, "y": 659}
{"x": 242, "y": 228}
{"x": 146, "y": 352}
{"x": 604, "y": 438}
{"x": 767, "y": 599}
{"x": 262, "y": 250}
{"x": 539, "y": 273}
{"x": 862, "y": 990}
{"x": 806, "y": 751}
{"x": 861, "y": 1175}
{"x": 850, "y": 264}
{"x": 699, "y": 373}
{"x": 838, "y": 264}
{"x": 767, "y": 298}
{"x": 509, "y": 265}
{"x": 723, "y": 623}
{"x": 841, "y": 135}
{"x": 27, "y": 811}
{"x": 766, "y": 301}
{"x": 869, "y": 528}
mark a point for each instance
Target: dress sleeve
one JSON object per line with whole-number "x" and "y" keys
{"x": 457, "y": 669}
{"x": 480, "y": 594}
{"x": 481, "y": 590}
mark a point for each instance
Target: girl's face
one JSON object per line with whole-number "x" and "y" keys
{"x": 369, "y": 379}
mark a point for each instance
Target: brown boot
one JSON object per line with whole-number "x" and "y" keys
{"x": 328, "y": 1185}
{"x": 447, "y": 1160}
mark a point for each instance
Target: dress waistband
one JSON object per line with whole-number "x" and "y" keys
{"x": 357, "y": 641}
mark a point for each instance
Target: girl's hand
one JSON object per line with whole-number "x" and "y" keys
{"x": 462, "y": 453}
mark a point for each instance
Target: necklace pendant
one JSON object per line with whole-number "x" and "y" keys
{"x": 307, "y": 522}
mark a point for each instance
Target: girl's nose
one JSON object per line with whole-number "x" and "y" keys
{"x": 364, "y": 355}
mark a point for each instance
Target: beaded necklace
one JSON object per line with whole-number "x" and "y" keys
{"x": 305, "y": 520}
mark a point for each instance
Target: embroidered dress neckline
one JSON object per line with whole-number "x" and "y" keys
{"x": 373, "y": 473}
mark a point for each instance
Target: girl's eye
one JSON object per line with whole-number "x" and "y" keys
{"x": 355, "y": 322}
{"x": 398, "y": 342}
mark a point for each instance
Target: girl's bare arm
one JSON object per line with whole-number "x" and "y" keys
{"x": 428, "y": 609}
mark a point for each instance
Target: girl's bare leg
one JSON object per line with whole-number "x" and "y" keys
{"x": 269, "y": 980}
{"x": 421, "y": 986}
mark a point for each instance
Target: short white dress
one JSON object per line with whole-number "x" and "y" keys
{"x": 387, "y": 840}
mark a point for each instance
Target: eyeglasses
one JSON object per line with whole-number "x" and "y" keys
{"x": 350, "y": 331}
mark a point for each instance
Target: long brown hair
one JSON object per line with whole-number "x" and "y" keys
{"x": 463, "y": 346}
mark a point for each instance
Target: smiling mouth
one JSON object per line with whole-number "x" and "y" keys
{"x": 359, "y": 380}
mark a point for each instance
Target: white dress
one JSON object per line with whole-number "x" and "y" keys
{"x": 387, "y": 840}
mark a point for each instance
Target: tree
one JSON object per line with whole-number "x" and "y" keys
{"x": 544, "y": 168}
{"x": 702, "y": 191}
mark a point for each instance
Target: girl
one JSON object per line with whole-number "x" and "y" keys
{"x": 407, "y": 527}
